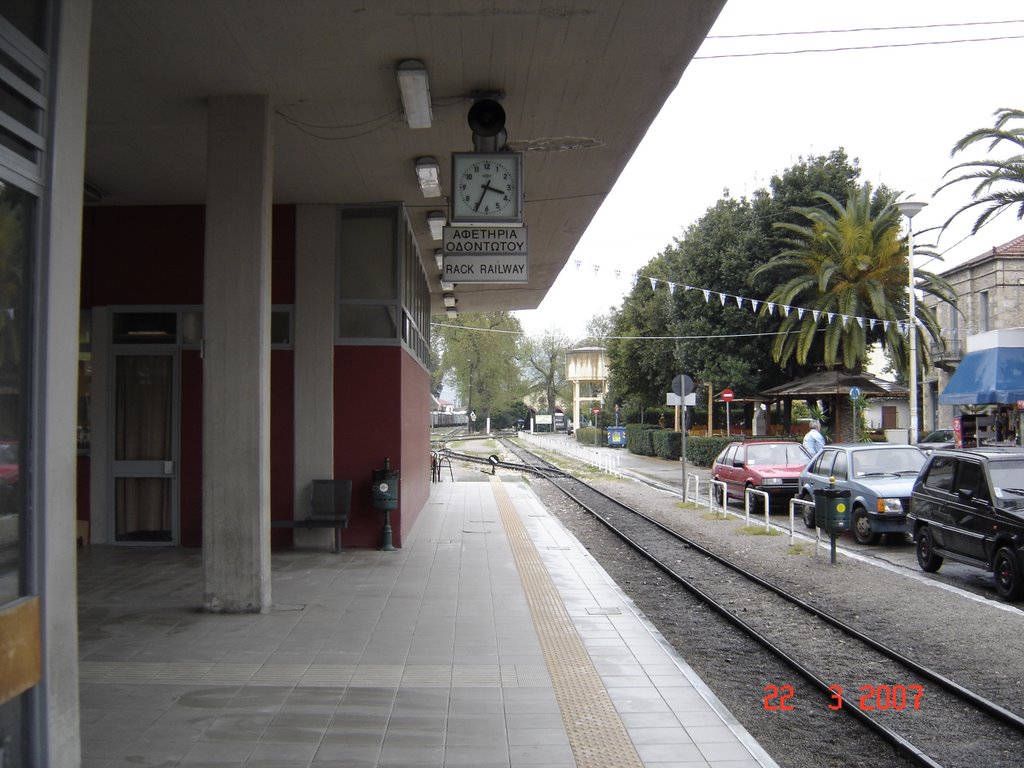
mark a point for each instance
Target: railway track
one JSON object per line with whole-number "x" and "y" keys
{"x": 834, "y": 667}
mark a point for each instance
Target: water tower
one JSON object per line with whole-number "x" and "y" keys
{"x": 587, "y": 369}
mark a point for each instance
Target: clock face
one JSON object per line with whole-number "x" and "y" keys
{"x": 487, "y": 188}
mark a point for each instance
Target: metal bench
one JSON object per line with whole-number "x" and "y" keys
{"x": 330, "y": 502}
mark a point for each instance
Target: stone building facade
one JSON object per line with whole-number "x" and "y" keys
{"x": 990, "y": 289}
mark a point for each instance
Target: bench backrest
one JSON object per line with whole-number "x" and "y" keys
{"x": 330, "y": 499}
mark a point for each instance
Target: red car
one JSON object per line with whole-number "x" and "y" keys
{"x": 772, "y": 466}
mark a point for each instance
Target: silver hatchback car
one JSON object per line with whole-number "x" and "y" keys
{"x": 879, "y": 476}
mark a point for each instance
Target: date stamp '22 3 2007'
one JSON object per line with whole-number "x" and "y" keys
{"x": 782, "y": 698}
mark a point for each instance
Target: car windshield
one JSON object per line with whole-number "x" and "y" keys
{"x": 887, "y": 461}
{"x": 1007, "y": 478}
{"x": 778, "y": 453}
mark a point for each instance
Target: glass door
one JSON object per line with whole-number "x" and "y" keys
{"x": 145, "y": 488}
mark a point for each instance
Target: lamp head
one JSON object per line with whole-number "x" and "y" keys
{"x": 910, "y": 208}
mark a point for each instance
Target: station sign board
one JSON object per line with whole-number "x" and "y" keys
{"x": 485, "y": 255}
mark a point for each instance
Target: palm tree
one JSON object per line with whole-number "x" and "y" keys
{"x": 845, "y": 272}
{"x": 1000, "y": 183}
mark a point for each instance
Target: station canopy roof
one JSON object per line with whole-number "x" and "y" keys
{"x": 987, "y": 376}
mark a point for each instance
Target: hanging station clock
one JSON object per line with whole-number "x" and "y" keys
{"x": 487, "y": 188}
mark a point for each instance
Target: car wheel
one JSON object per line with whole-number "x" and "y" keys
{"x": 1009, "y": 580}
{"x": 719, "y": 494}
{"x": 862, "y": 530}
{"x": 808, "y": 512}
{"x": 926, "y": 557}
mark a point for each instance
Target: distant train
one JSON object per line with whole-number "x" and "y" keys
{"x": 440, "y": 419}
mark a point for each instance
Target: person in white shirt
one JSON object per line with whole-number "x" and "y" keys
{"x": 814, "y": 441}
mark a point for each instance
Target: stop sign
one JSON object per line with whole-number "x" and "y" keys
{"x": 727, "y": 395}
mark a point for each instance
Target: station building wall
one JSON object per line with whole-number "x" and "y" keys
{"x": 152, "y": 256}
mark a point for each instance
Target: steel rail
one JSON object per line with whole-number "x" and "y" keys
{"x": 903, "y": 745}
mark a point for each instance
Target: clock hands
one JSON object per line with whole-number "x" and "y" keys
{"x": 483, "y": 193}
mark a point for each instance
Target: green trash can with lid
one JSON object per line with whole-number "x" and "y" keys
{"x": 832, "y": 510}
{"x": 385, "y": 487}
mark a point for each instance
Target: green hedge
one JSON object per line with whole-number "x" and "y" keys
{"x": 702, "y": 451}
{"x": 640, "y": 438}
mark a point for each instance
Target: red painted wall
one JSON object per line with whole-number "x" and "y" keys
{"x": 154, "y": 255}
{"x": 380, "y": 411}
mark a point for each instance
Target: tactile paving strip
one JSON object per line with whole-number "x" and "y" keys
{"x": 596, "y": 733}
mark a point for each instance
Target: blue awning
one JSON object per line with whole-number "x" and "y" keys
{"x": 987, "y": 376}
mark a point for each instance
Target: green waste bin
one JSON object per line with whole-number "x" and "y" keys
{"x": 385, "y": 488}
{"x": 832, "y": 510}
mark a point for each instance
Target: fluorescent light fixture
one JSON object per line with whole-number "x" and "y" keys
{"x": 450, "y": 300}
{"x": 453, "y": 313}
{"x": 428, "y": 174}
{"x": 436, "y": 221}
{"x": 415, "y": 90}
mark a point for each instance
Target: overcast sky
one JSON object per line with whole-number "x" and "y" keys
{"x": 736, "y": 120}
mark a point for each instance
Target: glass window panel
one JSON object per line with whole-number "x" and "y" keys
{"x": 28, "y": 17}
{"x": 145, "y": 327}
{"x": 366, "y": 322}
{"x": 366, "y": 269}
{"x": 281, "y": 328}
{"x": 142, "y": 508}
{"x": 17, "y": 212}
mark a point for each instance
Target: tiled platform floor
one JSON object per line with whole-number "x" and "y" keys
{"x": 438, "y": 654}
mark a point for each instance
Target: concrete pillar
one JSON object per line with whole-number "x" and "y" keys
{"x": 316, "y": 247}
{"x": 54, "y": 416}
{"x": 236, "y": 356}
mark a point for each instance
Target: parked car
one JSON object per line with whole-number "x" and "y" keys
{"x": 940, "y": 438}
{"x": 968, "y": 506}
{"x": 772, "y": 466}
{"x": 879, "y": 476}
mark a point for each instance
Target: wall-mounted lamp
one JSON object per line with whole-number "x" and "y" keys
{"x": 446, "y": 286}
{"x": 428, "y": 174}
{"x": 450, "y": 300}
{"x": 415, "y": 90}
{"x": 436, "y": 221}
{"x": 439, "y": 259}
{"x": 453, "y": 313}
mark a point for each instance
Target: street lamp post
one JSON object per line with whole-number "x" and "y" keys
{"x": 469, "y": 398}
{"x": 911, "y": 208}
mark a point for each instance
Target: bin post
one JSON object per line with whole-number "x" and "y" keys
{"x": 832, "y": 512}
{"x": 385, "y": 498}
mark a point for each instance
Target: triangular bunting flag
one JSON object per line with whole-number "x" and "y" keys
{"x": 707, "y": 295}
{"x": 672, "y": 289}
{"x": 654, "y": 282}
{"x": 722, "y": 296}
